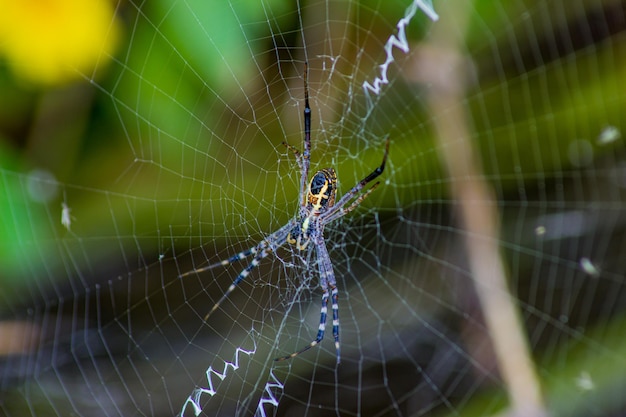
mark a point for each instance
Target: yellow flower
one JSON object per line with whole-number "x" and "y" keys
{"x": 55, "y": 41}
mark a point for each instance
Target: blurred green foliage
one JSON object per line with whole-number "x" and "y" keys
{"x": 174, "y": 141}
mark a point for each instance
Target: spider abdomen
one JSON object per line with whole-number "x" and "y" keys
{"x": 322, "y": 189}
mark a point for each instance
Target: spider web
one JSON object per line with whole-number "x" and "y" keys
{"x": 485, "y": 275}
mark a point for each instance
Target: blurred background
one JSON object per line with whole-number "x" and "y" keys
{"x": 141, "y": 141}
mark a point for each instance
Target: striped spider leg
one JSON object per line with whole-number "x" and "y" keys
{"x": 317, "y": 208}
{"x": 260, "y": 251}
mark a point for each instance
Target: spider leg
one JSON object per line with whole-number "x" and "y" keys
{"x": 296, "y": 152}
{"x": 306, "y": 156}
{"x": 337, "y": 210}
{"x": 327, "y": 279}
{"x": 303, "y": 159}
{"x": 241, "y": 255}
{"x": 344, "y": 211}
{"x": 242, "y": 275}
{"x": 320, "y": 331}
{"x": 307, "y": 117}
{"x": 335, "y": 306}
{"x": 270, "y": 244}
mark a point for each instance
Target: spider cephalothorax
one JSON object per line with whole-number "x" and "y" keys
{"x": 318, "y": 207}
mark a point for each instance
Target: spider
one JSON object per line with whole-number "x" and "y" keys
{"x": 318, "y": 207}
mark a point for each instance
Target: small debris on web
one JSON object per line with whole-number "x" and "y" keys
{"x": 589, "y": 267}
{"x": 608, "y": 135}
